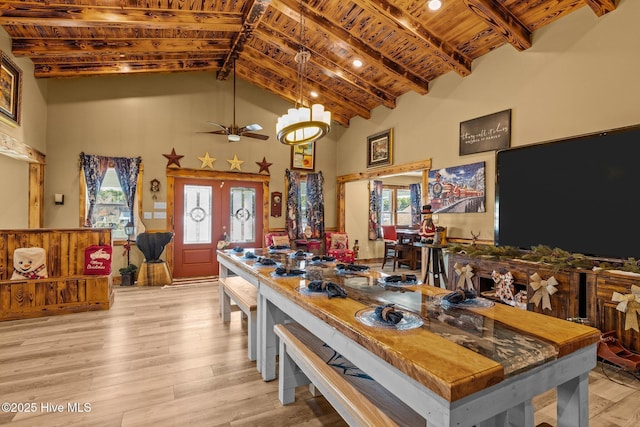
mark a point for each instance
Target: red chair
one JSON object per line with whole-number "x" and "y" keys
{"x": 398, "y": 252}
{"x": 390, "y": 241}
{"x": 277, "y": 239}
{"x": 337, "y": 245}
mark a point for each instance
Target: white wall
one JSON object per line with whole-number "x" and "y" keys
{"x": 579, "y": 77}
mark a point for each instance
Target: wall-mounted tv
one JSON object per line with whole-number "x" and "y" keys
{"x": 580, "y": 194}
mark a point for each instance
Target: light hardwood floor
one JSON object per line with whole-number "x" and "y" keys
{"x": 163, "y": 357}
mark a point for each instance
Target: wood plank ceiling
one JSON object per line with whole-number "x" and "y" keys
{"x": 402, "y": 44}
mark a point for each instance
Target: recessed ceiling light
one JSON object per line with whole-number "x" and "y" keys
{"x": 314, "y": 94}
{"x": 357, "y": 63}
{"x": 434, "y": 4}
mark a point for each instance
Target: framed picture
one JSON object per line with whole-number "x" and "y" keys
{"x": 457, "y": 189}
{"x": 380, "y": 149}
{"x": 486, "y": 133}
{"x": 303, "y": 156}
{"x": 10, "y": 90}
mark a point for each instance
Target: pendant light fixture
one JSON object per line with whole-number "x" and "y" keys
{"x": 303, "y": 124}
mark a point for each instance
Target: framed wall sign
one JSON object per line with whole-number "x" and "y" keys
{"x": 380, "y": 149}
{"x": 10, "y": 90}
{"x": 303, "y": 156}
{"x": 486, "y": 133}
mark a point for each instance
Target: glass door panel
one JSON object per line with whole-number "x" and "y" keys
{"x": 197, "y": 214}
{"x": 242, "y": 214}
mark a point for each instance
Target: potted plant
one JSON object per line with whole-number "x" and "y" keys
{"x": 128, "y": 274}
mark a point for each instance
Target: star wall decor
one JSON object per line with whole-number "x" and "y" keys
{"x": 207, "y": 161}
{"x": 235, "y": 163}
{"x": 264, "y": 165}
{"x": 174, "y": 159}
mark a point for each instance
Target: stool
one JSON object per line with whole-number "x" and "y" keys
{"x": 435, "y": 266}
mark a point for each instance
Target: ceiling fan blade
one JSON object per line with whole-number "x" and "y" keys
{"x": 226, "y": 128}
{"x": 251, "y": 128}
{"x": 255, "y": 135}
{"x": 217, "y": 132}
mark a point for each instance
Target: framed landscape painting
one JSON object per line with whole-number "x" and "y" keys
{"x": 10, "y": 91}
{"x": 380, "y": 149}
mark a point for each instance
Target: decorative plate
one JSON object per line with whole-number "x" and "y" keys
{"x": 274, "y": 274}
{"x": 304, "y": 290}
{"x": 410, "y": 320}
{"x": 398, "y": 284}
{"x": 475, "y": 302}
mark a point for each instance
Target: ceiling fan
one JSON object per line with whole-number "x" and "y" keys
{"x": 234, "y": 132}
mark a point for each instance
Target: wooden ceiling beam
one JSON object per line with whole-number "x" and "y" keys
{"x": 288, "y": 74}
{"x": 69, "y": 47}
{"x": 256, "y": 11}
{"x": 502, "y": 21}
{"x": 338, "y": 116}
{"x": 601, "y": 7}
{"x": 39, "y": 13}
{"x": 441, "y": 49}
{"x": 344, "y": 74}
{"x": 101, "y": 68}
{"x": 369, "y": 54}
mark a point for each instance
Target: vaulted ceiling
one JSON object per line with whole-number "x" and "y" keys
{"x": 402, "y": 44}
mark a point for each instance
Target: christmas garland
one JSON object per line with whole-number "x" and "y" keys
{"x": 558, "y": 258}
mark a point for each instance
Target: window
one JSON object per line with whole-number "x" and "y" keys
{"x": 111, "y": 210}
{"x": 396, "y": 205}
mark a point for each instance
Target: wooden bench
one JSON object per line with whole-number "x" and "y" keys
{"x": 304, "y": 359}
{"x": 245, "y": 297}
{"x": 66, "y": 289}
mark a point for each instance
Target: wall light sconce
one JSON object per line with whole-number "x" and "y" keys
{"x": 58, "y": 199}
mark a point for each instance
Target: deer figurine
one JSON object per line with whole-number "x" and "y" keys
{"x": 474, "y": 238}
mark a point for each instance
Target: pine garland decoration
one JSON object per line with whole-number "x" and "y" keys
{"x": 556, "y": 257}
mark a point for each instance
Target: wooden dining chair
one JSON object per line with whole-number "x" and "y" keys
{"x": 390, "y": 240}
{"x": 399, "y": 252}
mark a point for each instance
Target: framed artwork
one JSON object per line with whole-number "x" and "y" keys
{"x": 380, "y": 149}
{"x": 457, "y": 189}
{"x": 486, "y": 133}
{"x": 10, "y": 91}
{"x": 303, "y": 157}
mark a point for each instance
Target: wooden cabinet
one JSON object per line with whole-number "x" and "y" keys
{"x": 564, "y": 303}
{"x": 606, "y": 315}
{"x": 580, "y": 293}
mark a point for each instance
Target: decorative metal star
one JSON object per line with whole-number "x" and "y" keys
{"x": 264, "y": 165}
{"x": 207, "y": 161}
{"x": 235, "y": 163}
{"x": 174, "y": 159}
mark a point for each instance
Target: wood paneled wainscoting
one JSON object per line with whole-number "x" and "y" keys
{"x": 66, "y": 289}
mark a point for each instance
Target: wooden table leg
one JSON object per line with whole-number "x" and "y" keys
{"x": 573, "y": 402}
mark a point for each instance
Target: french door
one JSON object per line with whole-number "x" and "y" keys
{"x": 207, "y": 211}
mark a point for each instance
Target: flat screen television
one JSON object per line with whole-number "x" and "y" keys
{"x": 580, "y": 194}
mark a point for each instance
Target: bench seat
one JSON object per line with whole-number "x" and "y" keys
{"x": 361, "y": 401}
{"x": 245, "y": 297}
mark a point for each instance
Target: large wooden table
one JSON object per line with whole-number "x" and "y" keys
{"x": 462, "y": 367}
